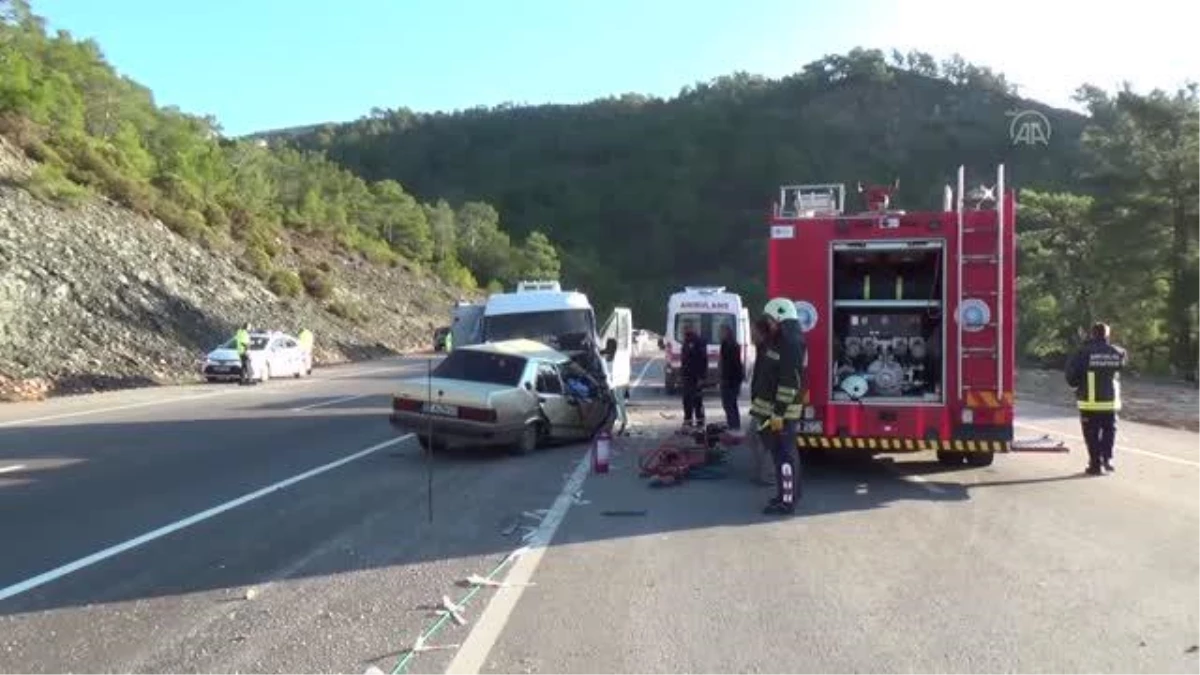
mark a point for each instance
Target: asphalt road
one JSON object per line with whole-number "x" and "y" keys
{"x": 336, "y": 566}
{"x": 1027, "y": 565}
{"x": 285, "y": 528}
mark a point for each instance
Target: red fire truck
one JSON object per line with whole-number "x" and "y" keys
{"x": 908, "y": 318}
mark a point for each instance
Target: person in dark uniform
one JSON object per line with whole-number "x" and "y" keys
{"x": 1095, "y": 373}
{"x": 733, "y": 374}
{"x": 693, "y": 371}
{"x": 776, "y": 398}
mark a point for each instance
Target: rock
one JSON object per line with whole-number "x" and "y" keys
{"x": 100, "y": 297}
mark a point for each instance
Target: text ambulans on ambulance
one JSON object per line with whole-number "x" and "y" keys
{"x": 707, "y": 310}
{"x": 563, "y": 320}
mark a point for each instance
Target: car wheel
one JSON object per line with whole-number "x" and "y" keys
{"x": 528, "y": 442}
{"x": 211, "y": 379}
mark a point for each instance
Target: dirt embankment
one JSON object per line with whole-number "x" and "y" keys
{"x": 1175, "y": 405}
{"x": 96, "y": 297}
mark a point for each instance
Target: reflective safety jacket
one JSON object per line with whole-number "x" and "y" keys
{"x": 242, "y": 340}
{"x": 777, "y": 389}
{"x": 1095, "y": 373}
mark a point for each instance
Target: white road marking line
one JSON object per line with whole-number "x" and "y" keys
{"x": 1122, "y": 448}
{"x": 12, "y": 468}
{"x": 645, "y": 369}
{"x": 920, "y": 480}
{"x": 333, "y": 402}
{"x": 115, "y": 408}
{"x": 179, "y": 399}
{"x": 475, "y": 649}
{"x": 916, "y": 479}
{"x": 99, "y": 556}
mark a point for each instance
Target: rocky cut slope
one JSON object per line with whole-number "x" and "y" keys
{"x": 96, "y": 297}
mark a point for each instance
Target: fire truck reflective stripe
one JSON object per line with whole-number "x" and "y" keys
{"x": 898, "y": 444}
{"x": 988, "y": 399}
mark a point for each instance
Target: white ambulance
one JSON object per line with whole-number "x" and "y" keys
{"x": 707, "y": 309}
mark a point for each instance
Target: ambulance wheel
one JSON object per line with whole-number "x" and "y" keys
{"x": 950, "y": 458}
{"x": 980, "y": 458}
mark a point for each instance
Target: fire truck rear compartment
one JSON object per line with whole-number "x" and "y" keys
{"x": 887, "y": 324}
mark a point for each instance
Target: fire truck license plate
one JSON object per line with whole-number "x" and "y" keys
{"x": 811, "y": 427}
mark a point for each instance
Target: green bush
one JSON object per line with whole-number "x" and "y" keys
{"x": 258, "y": 262}
{"x": 216, "y": 216}
{"x": 133, "y": 194}
{"x": 316, "y": 283}
{"x": 187, "y": 224}
{"x": 50, "y": 184}
{"x": 285, "y": 284}
{"x": 347, "y": 311}
{"x": 376, "y": 252}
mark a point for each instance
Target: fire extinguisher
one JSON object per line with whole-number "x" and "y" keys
{"x": 601, "y": 451}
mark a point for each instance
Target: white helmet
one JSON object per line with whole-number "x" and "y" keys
{"x": 781, "y": 309}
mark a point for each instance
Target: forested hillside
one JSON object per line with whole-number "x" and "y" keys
{"x": 96, "y": 132}
{"x": 133, "y": 237}
{"x": 646, "y": 194}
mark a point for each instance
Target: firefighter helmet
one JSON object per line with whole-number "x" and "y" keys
{"x": 781, "y": 309}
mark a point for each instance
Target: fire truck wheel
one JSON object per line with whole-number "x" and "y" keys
{"x": 950, "y": 458}
{"x": 980, "y": 458}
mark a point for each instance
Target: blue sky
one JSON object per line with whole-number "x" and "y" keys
{"x": 263, "y": 64}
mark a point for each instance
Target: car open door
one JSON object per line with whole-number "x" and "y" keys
{"x": 618, "y": 331}
{"x": 466, "y": 326}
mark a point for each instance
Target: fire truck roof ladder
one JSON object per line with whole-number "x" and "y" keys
{"x": 982, "y": 292}
{"x": 807, "y": 201}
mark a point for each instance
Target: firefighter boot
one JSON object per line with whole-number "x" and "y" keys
{"x": 784, "y": 503}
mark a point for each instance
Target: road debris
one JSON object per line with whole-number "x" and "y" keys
{"x": 420, "y": 646}
{"x": 454, "y": 611}
{"x": 1041, "y": 444}
{"x": 250, "y": 594}
{"x": 476, "y": 580}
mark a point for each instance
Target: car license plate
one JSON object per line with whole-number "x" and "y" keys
{"x": 441, "y": 409}
{"x": 220, "y": 369}
{"x": 811, "y": 427}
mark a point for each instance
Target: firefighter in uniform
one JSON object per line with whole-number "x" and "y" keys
{"x": 776, "y": 395}
{"x": 1095, "y": 374}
